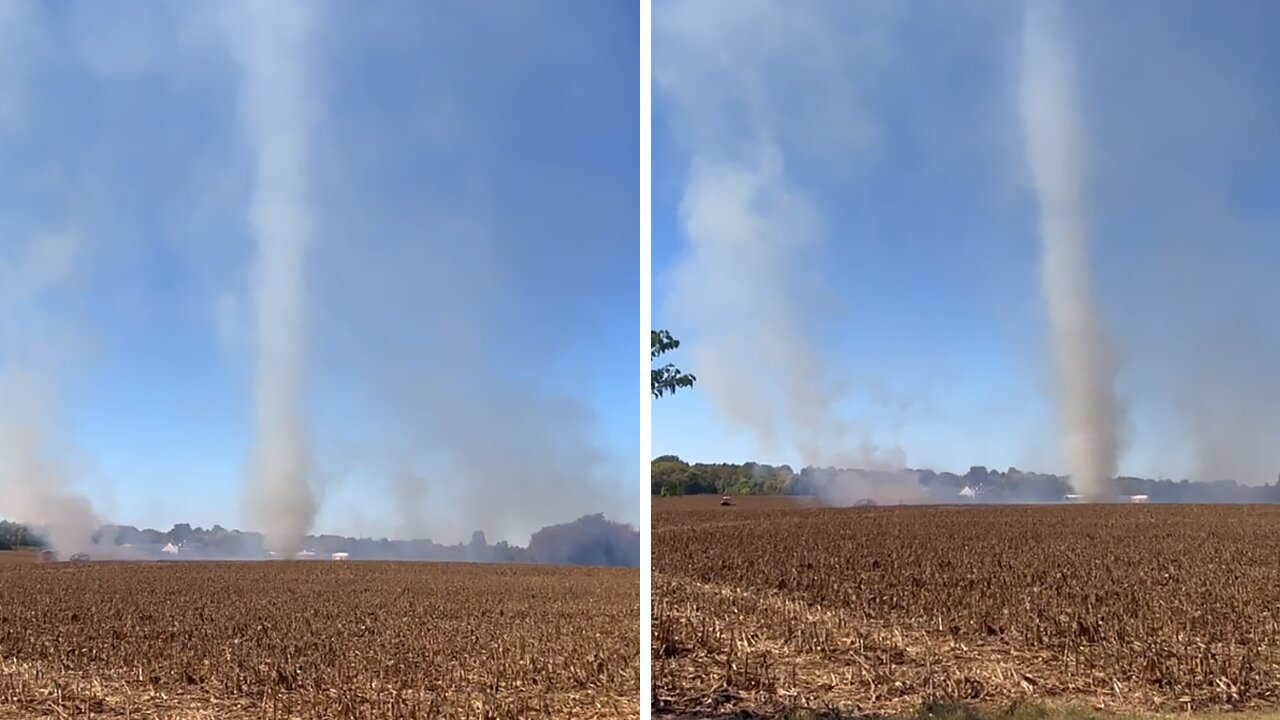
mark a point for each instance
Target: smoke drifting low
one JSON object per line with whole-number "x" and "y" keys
{"x": 842, "y": 487}
{"x": 271, "y": 42}
{"x": 1056, "y": 152}
{"x": 34, "y": 485}
{"x": 589, "y": 540}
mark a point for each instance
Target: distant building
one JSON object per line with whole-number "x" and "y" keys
{"x": 341, "y": 556}
{"x": 968, "y": 493}
{"x": 1138, "y": 498}
{"x": 170, "y": 549}
{"x": 1073, "y": 498}
{"x": 307, "y": 554}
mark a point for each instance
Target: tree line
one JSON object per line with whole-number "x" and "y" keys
{"x": 673, "y": 476}
{"x": 589, "y": 540}
{"x": 15, "y": 536}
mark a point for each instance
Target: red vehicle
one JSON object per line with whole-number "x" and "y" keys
{"x": 726, "y": 501}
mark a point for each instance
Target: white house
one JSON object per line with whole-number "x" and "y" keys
{"x": 1138, "y": 498}
{"x": 170, "y": 549}
{"x": 307, "y": 554}
{"x": 968, "y": 493}
{"x": 341, "y": 556}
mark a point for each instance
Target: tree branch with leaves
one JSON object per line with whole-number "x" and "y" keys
{"x": 667, "y": 379}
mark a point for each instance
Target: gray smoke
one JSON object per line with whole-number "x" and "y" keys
{"x": 468, "y": 450}
{"x": 1056, "y": 151}
{"x": 843, "y": 487}
{"x": 460, "y": 273}
{"x": 37, "y": 484}
{"x": 270, "y": 41}
{"x": 37, "y": 481}
{"x": 756, "y": 351}
{"x": 447, "y": 284}
{"x": 749, "y": 296}
{"x": 1181, "y": 173}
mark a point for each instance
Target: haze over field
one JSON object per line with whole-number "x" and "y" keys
{"x": 915, "y": 234}
{"x": 302, "y": 267}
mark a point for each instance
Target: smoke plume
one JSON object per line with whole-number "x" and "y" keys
{"x": 745, "y": 230}
{"x": 843, "y": 487}
{"x": 750, "y": 296}
{"x": 37, "y": 486}
{"x": 270, "y": 41}
{"x": 1055, "y": 151}
{"x": 749, "y": 292}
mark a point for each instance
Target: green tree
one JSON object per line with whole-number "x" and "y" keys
{"x": 16, "y": 535}
{"x": 667, "y": 379}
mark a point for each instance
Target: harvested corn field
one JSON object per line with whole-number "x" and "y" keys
{"x": 769, "y": 605}
{"x": 317, "y": 639}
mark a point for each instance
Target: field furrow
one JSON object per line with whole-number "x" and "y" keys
{"x": 766, "y": 605}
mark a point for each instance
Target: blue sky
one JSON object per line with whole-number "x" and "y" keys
{"x": 904, "y": 234}
{"x": 471, "y": 283}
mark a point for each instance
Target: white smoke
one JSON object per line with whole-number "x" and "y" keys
{"x": 841, "y": 487}
{"x": 1056, "y": 153}
{"x": 749, "y": 295}
{"x": 741, "y": 287}
{"x": 271, "y": 40}
{"x": 37, "y": 486}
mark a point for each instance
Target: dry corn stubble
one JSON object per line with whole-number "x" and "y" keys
{"x": 317, "y": 639}
{"x": 768, "y": 604}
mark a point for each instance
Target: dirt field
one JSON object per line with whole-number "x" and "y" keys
{"x": 770, "y": 605}
{"x": 317, "y": 639}
{"x": 19, "y": 557}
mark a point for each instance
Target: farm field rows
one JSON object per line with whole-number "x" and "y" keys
{"x": 771, "y": 604}
{"x": 317, "y": 639}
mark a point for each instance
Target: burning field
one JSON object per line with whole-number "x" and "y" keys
{"x": 317, "y": 639}
{"x": 770, "y": 604}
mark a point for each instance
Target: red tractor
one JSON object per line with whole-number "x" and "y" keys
{"x": 726, "y": 501}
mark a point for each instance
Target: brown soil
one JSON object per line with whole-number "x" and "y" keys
{"x": 770, "y": 605}
{"x": 317, "y": 639}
